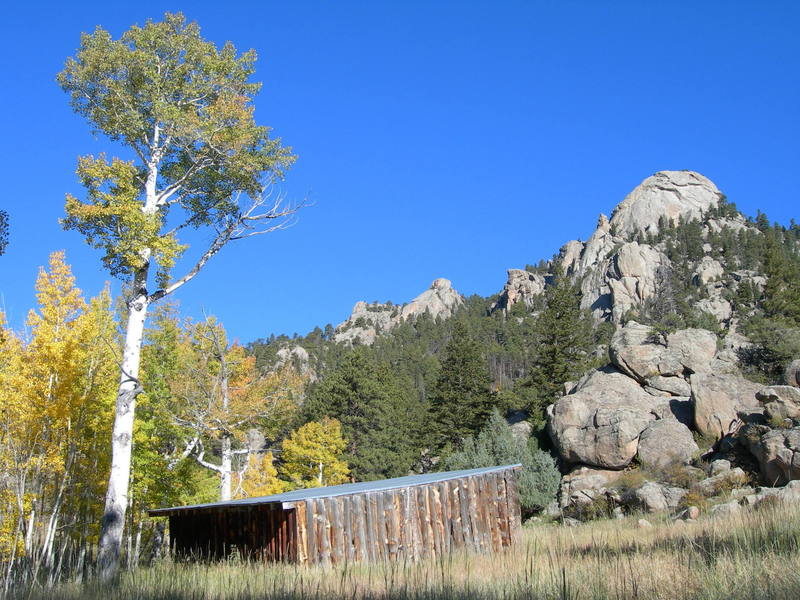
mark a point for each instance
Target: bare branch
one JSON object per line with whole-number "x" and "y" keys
{"x": 267, "y": 208}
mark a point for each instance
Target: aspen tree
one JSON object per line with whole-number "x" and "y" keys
{"x": 182, "y": 108}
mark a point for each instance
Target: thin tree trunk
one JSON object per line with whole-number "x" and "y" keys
{"x": 226, "y": 468}
{"x": 138, "y": 545}
{"x": 158, "y": 541}
{"x": 116, "y": 504}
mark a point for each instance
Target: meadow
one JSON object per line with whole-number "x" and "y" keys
{"x": 754, "y": 555}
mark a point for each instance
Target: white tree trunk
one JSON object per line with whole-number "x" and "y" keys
{"x": 225, "y": 469}
{"x": 121, "y": 439}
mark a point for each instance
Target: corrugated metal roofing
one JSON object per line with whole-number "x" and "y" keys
{"x": 342, "y": 490}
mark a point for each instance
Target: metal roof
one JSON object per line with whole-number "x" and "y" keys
{"x": 341, "y": 490}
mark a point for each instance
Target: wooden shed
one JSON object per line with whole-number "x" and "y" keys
{"x": 420, "y": 516}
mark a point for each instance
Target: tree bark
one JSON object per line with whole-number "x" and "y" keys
{"x": 226, "y": 467}
{"x": 116, "y": 503}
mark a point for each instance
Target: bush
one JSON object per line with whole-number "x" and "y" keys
{"x": 630, "y": 480}
{"x": 598, "y": 508}
{"x": 694, "y": 498}
{"x": 496, "y": 445}
{"x": 680, "y": 475}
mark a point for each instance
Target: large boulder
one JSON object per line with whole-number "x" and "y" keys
{"x": 777, "y": 451}
{"x": 780, "y": 402}
{"x": 708, "y": 270}
{"x": 666, "y": 442}
{"x": 725, "y": 510}
{"x": 635, "y": 350}
{"x": 693, "y": 349}
{"x": 600, "y": 423}
{"x": 719, "y": 400}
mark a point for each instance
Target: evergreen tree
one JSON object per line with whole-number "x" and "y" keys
{"x": 782, "y": 292}
{"x": 380, "y": 418}
{"x": 564, "y": 334}
{"x": 462, "y": 398}
{"x": 496, "y": 445}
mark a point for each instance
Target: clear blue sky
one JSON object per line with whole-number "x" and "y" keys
{"x": 437, "y": 139}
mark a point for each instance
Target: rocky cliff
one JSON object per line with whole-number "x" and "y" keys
{"x": 623, "y": 264}
{"x": 367, "y": 321}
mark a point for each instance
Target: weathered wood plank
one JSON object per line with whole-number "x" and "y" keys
{"x": 333, "y": 510}
{"x": 301, "y": 533}
{"x": 323, "y": 531}
{"x": 514, "y": 509}
{"x": 359, "y": 515}
{"x": 502, "y": 510}
{"x": 372, "y": 527}
{"x": 464, "y": 506}
{"x": 444, "y": 507}
{"x": 436, "y": 519}
{"x": 494, "y": 512}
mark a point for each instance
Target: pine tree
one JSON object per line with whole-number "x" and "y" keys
{"x": 782, "y": 292}
{"x": 462, "y": 398}
{"x": 380, "y": 417}
{"x": 564, "y": 333}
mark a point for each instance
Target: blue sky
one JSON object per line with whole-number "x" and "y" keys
{"x": 435, "y": 139}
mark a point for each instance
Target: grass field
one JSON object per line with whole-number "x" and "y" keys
{"x": 754, "y": 556}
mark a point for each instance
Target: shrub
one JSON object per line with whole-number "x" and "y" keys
{"x": 496, "y": 445}
{"x": 598, "y": 508}
{"x": 724, "y": 486}
{"x": 694, "y": 498}
{"x": 630, "y": 480}
{"x": 680, "y": 475}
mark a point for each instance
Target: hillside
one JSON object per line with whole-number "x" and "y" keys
{"x": 644, "y": 348}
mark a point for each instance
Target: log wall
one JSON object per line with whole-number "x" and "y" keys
{"x": 479, "y": 513}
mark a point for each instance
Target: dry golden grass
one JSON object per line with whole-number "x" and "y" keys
{"x": 753, "y": 556}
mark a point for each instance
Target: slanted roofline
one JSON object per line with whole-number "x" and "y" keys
{"x": 288, "y": 499}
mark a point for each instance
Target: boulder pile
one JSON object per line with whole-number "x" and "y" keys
{"x": 670, "y": 421}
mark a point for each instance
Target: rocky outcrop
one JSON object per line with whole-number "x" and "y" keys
{"x": 522, "y": 286}
{"x": 439, "y": 301}
{"x": 632, "y": 277}
{"x": 707, "y": 271}
{"x": 298, "y": 356}
{"x": 600, "y": 423}
{"x": 367, "y": 321}
{"x": 670, "y": 194}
